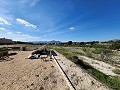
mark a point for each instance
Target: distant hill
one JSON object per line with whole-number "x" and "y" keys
{"x": 47, "y": 42}
{"x": 5, "y": 41}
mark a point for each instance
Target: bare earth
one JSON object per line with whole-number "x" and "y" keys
{"x": 101, "y": 66}
{"x": 26, "y": 74}
{"x": 80, "y": 79}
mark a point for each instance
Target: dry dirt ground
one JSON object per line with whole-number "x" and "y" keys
{"x": 101, "y": 66}
{"x": 104, "y": 67}
{"x": 25, "y": 74}
{"x": 80, "y": 79}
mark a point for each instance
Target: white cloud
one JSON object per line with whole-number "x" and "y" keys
{"x": 9, "y": 33}
{"x": 3, "y": 21}
{"x": 1, "y": 28}
{"x": 26, "y": 23}
{"x": 17, "y": 36}
{"x": 25, "y": 37}
{"x": 18, "y": 32}
{"x": 34, "y": 2}
{"x": 71, "y": 28}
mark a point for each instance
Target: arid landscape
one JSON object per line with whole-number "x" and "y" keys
{"x": 59, "y": 44}
{"x": 20, "y": 73}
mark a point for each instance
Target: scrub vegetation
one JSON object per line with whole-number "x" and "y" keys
{"x": 112, "y": 82}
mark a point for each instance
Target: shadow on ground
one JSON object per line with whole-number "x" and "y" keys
{"x": 6, "y": 59}
{"x": 53, "y": 53}
{"x": 11, "y": 54}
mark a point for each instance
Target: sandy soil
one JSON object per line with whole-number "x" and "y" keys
{"x": 25, "y": 74}
{"x": 101, "y": 66}
{"x": 80, "y": 79}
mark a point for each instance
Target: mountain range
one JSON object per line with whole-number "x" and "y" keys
{"x": 53, "y": 41}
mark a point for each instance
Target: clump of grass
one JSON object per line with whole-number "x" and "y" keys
{"x": 67, "y": 88}
{"x": 117, "y": 71}
{"x": 112, "y": 82}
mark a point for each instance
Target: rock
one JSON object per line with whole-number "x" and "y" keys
{"x": 37, "y": 75}
{"x": 41, "y": 88}
{"x": 46, "y": 78}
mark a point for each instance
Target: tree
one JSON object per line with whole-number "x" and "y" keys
{"x": 70, "y": 42}
{"x": 115, "y": 46}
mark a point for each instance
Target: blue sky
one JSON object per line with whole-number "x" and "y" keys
{"x": 64, "y": 20}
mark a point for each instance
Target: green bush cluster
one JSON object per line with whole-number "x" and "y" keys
{"x": 99, "y": 50}
{"x": 115, "y": 46}
{"x": 113, "y": 82}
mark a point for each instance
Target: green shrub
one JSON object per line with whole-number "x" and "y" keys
{"x": 74, "y": 59}
{"x": 113, "y": 82}
{"x": 117, "y": 71}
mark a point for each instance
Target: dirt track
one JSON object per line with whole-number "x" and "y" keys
{"x": 25, "y": 74}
